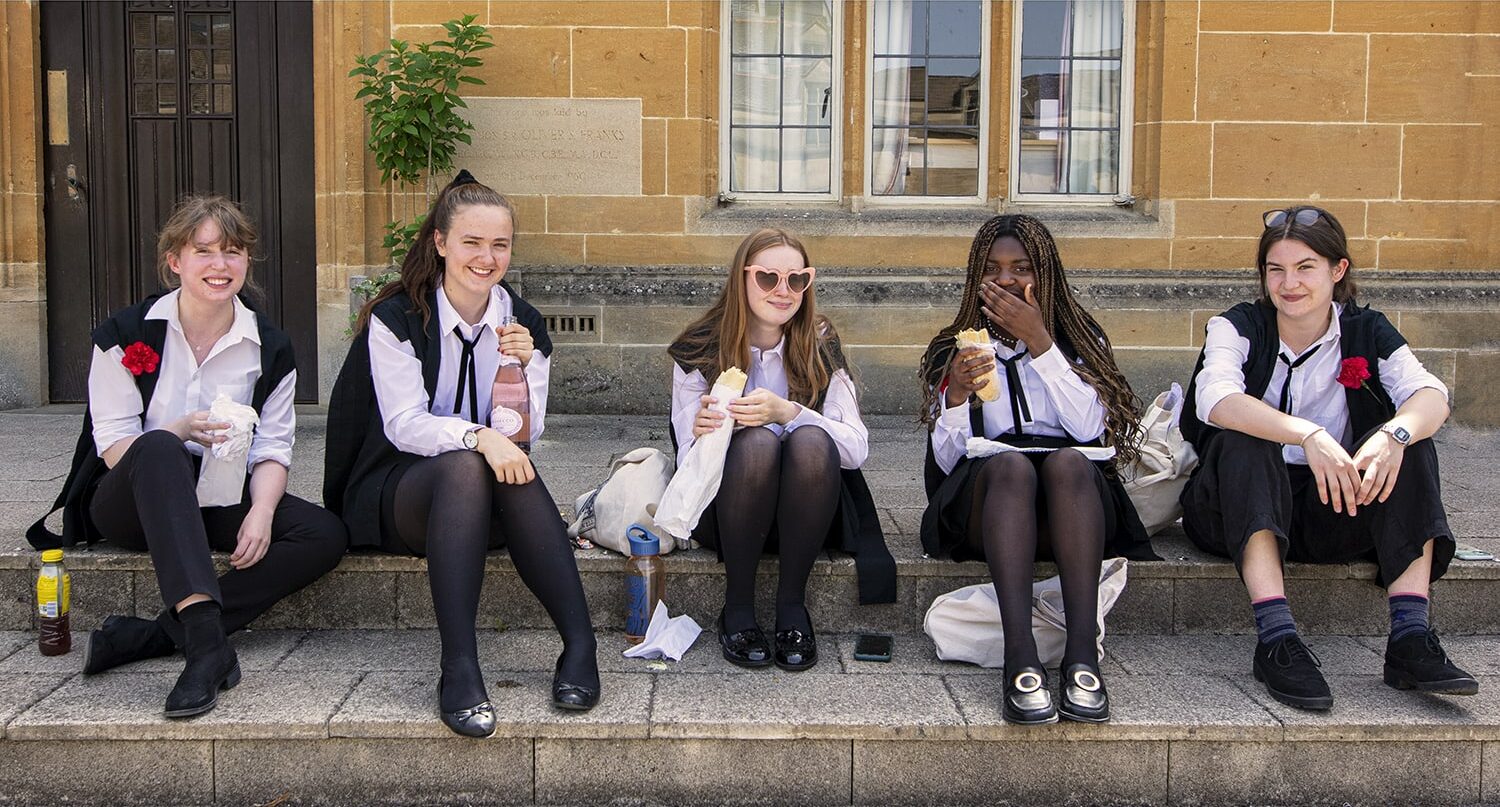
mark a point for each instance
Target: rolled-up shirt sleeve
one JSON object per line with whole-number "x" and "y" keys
{"x": 277, "y": 430}
{"x": 1077, "y": 402}
{"x": 397, "y": 373}
{"x": 840, "y": 418}
{"x": 1402, "y": 374}
{"x": 538, "y": 374}
{"x": 950, "y": 434}
{"x": 114, "y": 400}
{"x": 1224, "y": 354}
{"x": 687, "y": 389}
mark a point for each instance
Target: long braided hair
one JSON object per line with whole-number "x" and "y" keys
{"x": 1077, "y": 333}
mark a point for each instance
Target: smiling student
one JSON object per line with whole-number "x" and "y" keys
{"x": 1313, "y": 422}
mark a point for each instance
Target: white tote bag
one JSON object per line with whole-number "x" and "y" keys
{"x": 965, "y": 624}
{"x": 629, "y": 496}
{"x": 1156, "y": 478}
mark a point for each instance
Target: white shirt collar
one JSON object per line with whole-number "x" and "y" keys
{"x": 1334, "y": 332}
{"x": 244, "y": 326}
{"x": 778, "y": 351}
{"x": 448, "y": 316}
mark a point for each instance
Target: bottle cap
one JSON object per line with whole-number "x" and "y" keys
{"x": 642, "y": 542}
{"x": 52, "y": 556}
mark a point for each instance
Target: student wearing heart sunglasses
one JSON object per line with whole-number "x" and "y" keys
{"x": 1312, "y": 419}
{"x": 791, "y": 480}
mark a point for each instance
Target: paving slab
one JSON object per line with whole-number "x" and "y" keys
{"x": 1230, "y": 655}
{"x": 915, "y": 654}
{"x": 779, "y": 705}
{"x": 13, "y": 640}
{"x": 1364, "y": 708}
{"x": 257, "y": 650}
{"x": 128, "y": 706}
{"x": 146, "y": 773}
{"x": 20, "y": 691}
{"x": 1491, "y": 765}
{"x": 405, "y": 705}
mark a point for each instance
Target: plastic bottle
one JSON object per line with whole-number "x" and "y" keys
{"x": 54, "y": 594}
{"x": 645, "y": 581}
{"x": 511, "y": 399}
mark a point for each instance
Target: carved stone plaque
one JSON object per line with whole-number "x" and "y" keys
{"x": 558, "y": 146}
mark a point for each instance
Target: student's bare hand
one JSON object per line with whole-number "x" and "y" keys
{"x": 968, "y": 373}
{"x": 708, "y": 419}
{"x": 510, "y": 464}
{"x": 1019, "y": 316}
{"x": 1333, "y": 468}
{"x": 198, "y": 428}
{"x": 762, "y": 407}
{"x": 1379, "y": 462}
{"x": 516, "y": 341}
{"x": 254, "y": 537}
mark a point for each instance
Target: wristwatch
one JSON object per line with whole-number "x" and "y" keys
{"x": 471, "y": 439}
{"x": 1397, "y": 433}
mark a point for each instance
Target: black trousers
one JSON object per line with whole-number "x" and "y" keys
{"x": 147, "y": 501}
{"x": 1243, "y": 485}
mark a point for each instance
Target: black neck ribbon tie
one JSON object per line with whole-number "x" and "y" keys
{"x": 467, "y": 377}
{"x": 1020, "y": 409}
{"x": 1291, "y": 366}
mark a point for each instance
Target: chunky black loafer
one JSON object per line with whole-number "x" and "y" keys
{"x": 1083, "y": 695}
{"x": 1028, "y": 701}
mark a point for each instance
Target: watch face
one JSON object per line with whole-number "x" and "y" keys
{"x": 471, "y": 440}
{"x": 1402, "y": 435}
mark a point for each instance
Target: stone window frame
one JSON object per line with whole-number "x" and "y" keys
{"x": 1122, "y": 194}
{"x": 726, "y": 112}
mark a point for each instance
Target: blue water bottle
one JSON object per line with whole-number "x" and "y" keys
{"x": 645, "y": 581}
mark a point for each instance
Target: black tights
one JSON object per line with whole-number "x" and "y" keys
{"x": 795, "y": 483}
{"x": 451, "y": 509}
{"x": 1004, "y": 526}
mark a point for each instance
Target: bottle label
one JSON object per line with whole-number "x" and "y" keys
{"x": 637, "y": 605}
{"x": 50, "y": 602}
{"x": 506, "y": 421}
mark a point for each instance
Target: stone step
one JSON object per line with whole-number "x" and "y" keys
{"x": 348, "y": 717}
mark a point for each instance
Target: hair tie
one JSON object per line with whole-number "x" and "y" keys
{"x": 463, "y": 178}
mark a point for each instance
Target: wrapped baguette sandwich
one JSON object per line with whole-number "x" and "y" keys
{"x": 964, "y": 340}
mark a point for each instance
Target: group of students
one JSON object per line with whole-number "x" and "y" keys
{"x": 1311, "y": 415}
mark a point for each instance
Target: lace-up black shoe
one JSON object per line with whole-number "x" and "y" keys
{"x": 1290, "y": 672}
{"x": 1417, "y": 661}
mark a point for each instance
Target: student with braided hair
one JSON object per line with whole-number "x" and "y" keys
{"x": 1065, "y": 403}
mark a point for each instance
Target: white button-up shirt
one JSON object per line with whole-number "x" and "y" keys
{"x": 183, "y": 386}
{"x": 424, "y": 427}
{"x": 1062, "y": 404}
{"x": 839, "y": 415}
{"x": 1315, "y": 392}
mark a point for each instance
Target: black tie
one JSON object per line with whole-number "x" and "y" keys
{"x": 1291, "y": 365}
{"x": 1020, "y": 410}
{"x": 467, "y": 372}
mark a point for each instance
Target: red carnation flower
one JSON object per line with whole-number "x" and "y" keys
{"x": 1354, "y": 371}
{"x": 140, "y": 358}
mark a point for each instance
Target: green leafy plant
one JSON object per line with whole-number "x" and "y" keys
{"x": 410, "y": 92}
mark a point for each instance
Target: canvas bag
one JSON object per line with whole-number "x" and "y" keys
{"x": 1156, "y": 478}
{"x": 965, "y": 624}
{"x": 629, "y": 496}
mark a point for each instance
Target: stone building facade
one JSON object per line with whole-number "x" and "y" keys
{"x": 1383, "y": 112}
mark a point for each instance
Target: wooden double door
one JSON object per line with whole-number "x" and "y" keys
{"x": 146, "y": 101}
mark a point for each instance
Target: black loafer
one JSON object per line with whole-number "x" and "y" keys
{"x": 1419, "y": 662}
{"x": 1083, "y": 695}
{"x": 475, "y": 721}
{"x": 125, "y": 639}
{"x": 1028, "y": 700}
{"x": 1290, "y": 672}
{"x": 796, "y": 650}
{"x": 746, "y": 648}
{"x": 573, "y": 697}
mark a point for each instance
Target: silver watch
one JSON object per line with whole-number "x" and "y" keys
{"x": 1397, "y": 433}
{"x": 471, "y": 439}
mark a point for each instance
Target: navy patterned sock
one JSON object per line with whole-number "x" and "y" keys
{"x": 1408, "y": 615}
{"x": 1273, "y": 619}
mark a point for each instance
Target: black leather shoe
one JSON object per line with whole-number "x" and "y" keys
{"x": 211, "y": 663}
{"x": 475, "y": 721}
{"x": 796, "y": 650}
{"x": 1028, "y": 701}
{"x": 1290, "y": 672}
{"x": 1418, "y": 662}
{"x": 1083, "y": 695}
{"x": 746, "y": 648}
{"x": 573, "y": 697}
{"x": 125, "y": 639}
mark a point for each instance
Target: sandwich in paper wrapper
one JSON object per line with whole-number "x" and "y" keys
{"x": 963, "y": 340}
{"x": 221, "y": 482}
{"x": 697, "y": 479}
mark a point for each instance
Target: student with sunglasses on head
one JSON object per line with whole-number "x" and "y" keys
{"x": 791, "y": 481}
{"x": 1062, "y": 395}
{"x": 1313, "y": 422}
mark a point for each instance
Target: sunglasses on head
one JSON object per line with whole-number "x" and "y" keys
{"x": 1305, "y": 216}
{"x": 797, "y": 280}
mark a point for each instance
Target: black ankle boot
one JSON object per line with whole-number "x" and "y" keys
{"x": 125, "y": 639}
{"x": 211, "y": 662}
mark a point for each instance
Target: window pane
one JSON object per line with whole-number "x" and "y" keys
{"x": 1094, "y": 100}
{"x": 223, "y": 99}
{"x": 891, "y": 91}
{"x": 166, "y": 65}
{"x": 805, "y": 155}
{"x": 807, "y": 27}
{"x": 198, "y": 65}
{"x": 198, "y": 30}
{"x": 140, "y": 30}
{"x": 952, "y": 163}
{"x": 755, "y": 90}
{"x": 753, "y": 26}
{"x": 1042, "y": 26}
{"x": 900, "y": 27}
{"x": 1041, "y": 97}
{"x": 1041, "y": 161}
{"x": 166, "y": 99}
{"x": 954, "y": 28}
{"x": 166, "y": 29}
{"x": 145, "y": 99}
{"x": 899, "y": 159}
{"x": 807, "y": 94}
{"x": 953, "y": 92}
{"x": 1093, "y": 160}
{"x": 221, "y": 31}
{"x": 757, "y": 159}
{"x": 198, "y": 99}
{"x": 143, "y": 64}
{"x": 222, "y": 69}
{"x": 1096, "y": 28}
